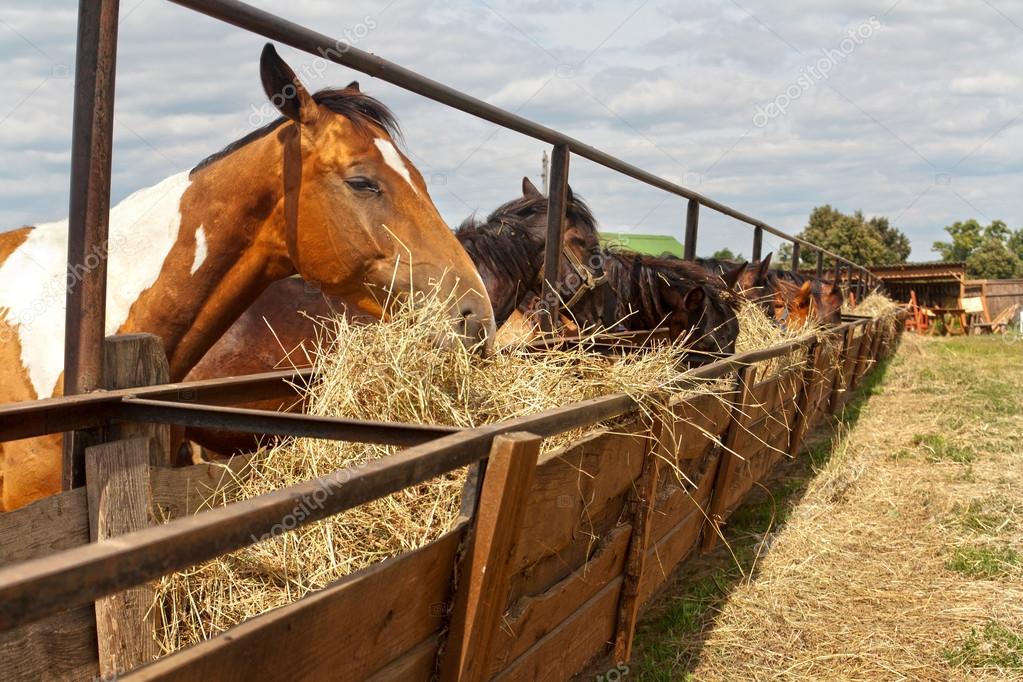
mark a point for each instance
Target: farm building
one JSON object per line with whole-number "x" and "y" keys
{"x": 937, "y": 285}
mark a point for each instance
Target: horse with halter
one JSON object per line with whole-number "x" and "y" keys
{"x": 322, "y": 192}
{"x": 507, "y": 248}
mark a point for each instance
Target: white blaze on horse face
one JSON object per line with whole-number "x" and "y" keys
{"x": 200, "y": 249}
{"x": 34, "y": 278}
{"x": 393, "y": 159}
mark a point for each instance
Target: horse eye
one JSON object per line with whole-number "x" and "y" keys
{"x": 361, "y": 184}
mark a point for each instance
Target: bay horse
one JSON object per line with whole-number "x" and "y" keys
{"x": 790, "y": 299}
{"x": 507, "y": 248}
{"x": 322, "y": 192}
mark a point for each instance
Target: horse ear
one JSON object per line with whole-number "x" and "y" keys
{"x": 765, "y": 264}
{"x": 569, "y": 196}
{"x": 693, "y": 302}
{"x": 283, "y": 88}
{"x": 529, "y": 190}
{"x": 354, "y": 85}
{"x": 731, "y": 277}
{"x": 803, "y": 295}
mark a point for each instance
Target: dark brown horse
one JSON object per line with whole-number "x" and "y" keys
{"x": 508, "y": 250}
{"x": 650, "y": 292}
{"x": 790, "y": 299}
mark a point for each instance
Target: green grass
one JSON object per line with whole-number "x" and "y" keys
{"x": 983, "y": 562}
{"x": 987, "y": 516}
{"x": 681, "y": 619}
{"x": 995, "y": 646}
{"x": 939, "y": 449}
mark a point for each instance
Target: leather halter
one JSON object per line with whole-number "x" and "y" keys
{"x": 589, "y": 280}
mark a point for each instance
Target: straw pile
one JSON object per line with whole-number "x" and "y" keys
{"x": 409, "y": 369}
{"x": 880, "y": 307}
{"x": 861, "y": 581}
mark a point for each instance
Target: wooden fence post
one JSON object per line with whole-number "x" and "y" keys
{"x": 120, "y": 498}
{"x": 838, "y": 385}
{"x": 482, "y": 591}
{"x": 643, "y": 499}
{"x": 131, "y": 360}
{"x": 728, "y": 463}
{"x": 860, "y": 368}
{"x": 811, "y": 379}
{"x": 120, "y": 501}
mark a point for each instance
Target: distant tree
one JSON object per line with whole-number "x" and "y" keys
{"x": 993, "y": 260}
{"x": 966, "y": 238}
{"x": 1015, "y": 243}
{"x": 990, "y": 252}
{"x": 869, "y": 242}
{"x": 726, "y": 254}
{"x": 894, "y": 239}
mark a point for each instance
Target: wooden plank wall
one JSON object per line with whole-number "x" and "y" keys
{"x": 564, "y": 585}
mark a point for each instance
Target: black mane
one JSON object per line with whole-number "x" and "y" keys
{"x": 359, "y": 108}
{"x": 514, "y": 234}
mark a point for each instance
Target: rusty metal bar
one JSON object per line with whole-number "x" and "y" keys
{"x": 557, "y": 205}
{"x": 276, "y": 28}
{"x": 692, "y": 229}
{"x": 54, "y": 415}
{"x": 88, "y": 214}
{"x": 277, "y": 423}
{"x": 795, "y": 257}
{"x": 758, "y": 243}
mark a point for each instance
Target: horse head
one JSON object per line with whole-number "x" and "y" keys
{"x": 359, "y": 221}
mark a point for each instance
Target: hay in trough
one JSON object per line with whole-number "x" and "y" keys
{"x": 881, "y": 308}
{"x": 409, "y": 369}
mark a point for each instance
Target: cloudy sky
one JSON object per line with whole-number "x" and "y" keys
{"x": 905, "y": 108}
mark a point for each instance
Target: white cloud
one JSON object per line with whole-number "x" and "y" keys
{"x": 670, "y": 88}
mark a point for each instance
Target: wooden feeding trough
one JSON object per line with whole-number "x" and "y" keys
{"x": 550, "y": 564}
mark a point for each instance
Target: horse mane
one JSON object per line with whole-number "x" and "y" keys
{"x": 506, "y": 240}
{"x": 633, "y": 276}
{"x": 523, "y": 213}
{"x": 494, "y": 245}
{"x": 361, "y": 109}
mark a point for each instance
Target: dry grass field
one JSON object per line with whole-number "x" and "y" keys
{"x": 892, "y": 552}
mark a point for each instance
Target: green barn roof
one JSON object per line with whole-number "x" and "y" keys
{"x": 653, "y": 244}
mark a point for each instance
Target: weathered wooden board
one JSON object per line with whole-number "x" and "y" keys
{"x": 417, "y": 664}
{"x": 484, "y": 569}
{"x": 567, "y": 648}
{"x": 699, "y": 423}
{"x": 185, "y": 491}
{"x": 348, "y": 631}
{"x": 120, "y": 502}
{"x": 532, "y": 618}
{"x": 45, "y": 526}
{"x": 578, "y": 494}
{"x": 669, "y": 551}
{"x": 61, "y": 647}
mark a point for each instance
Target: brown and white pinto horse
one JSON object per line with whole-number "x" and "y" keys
{"x": 322, "y": 192}
{"x": 507, "y": 248}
